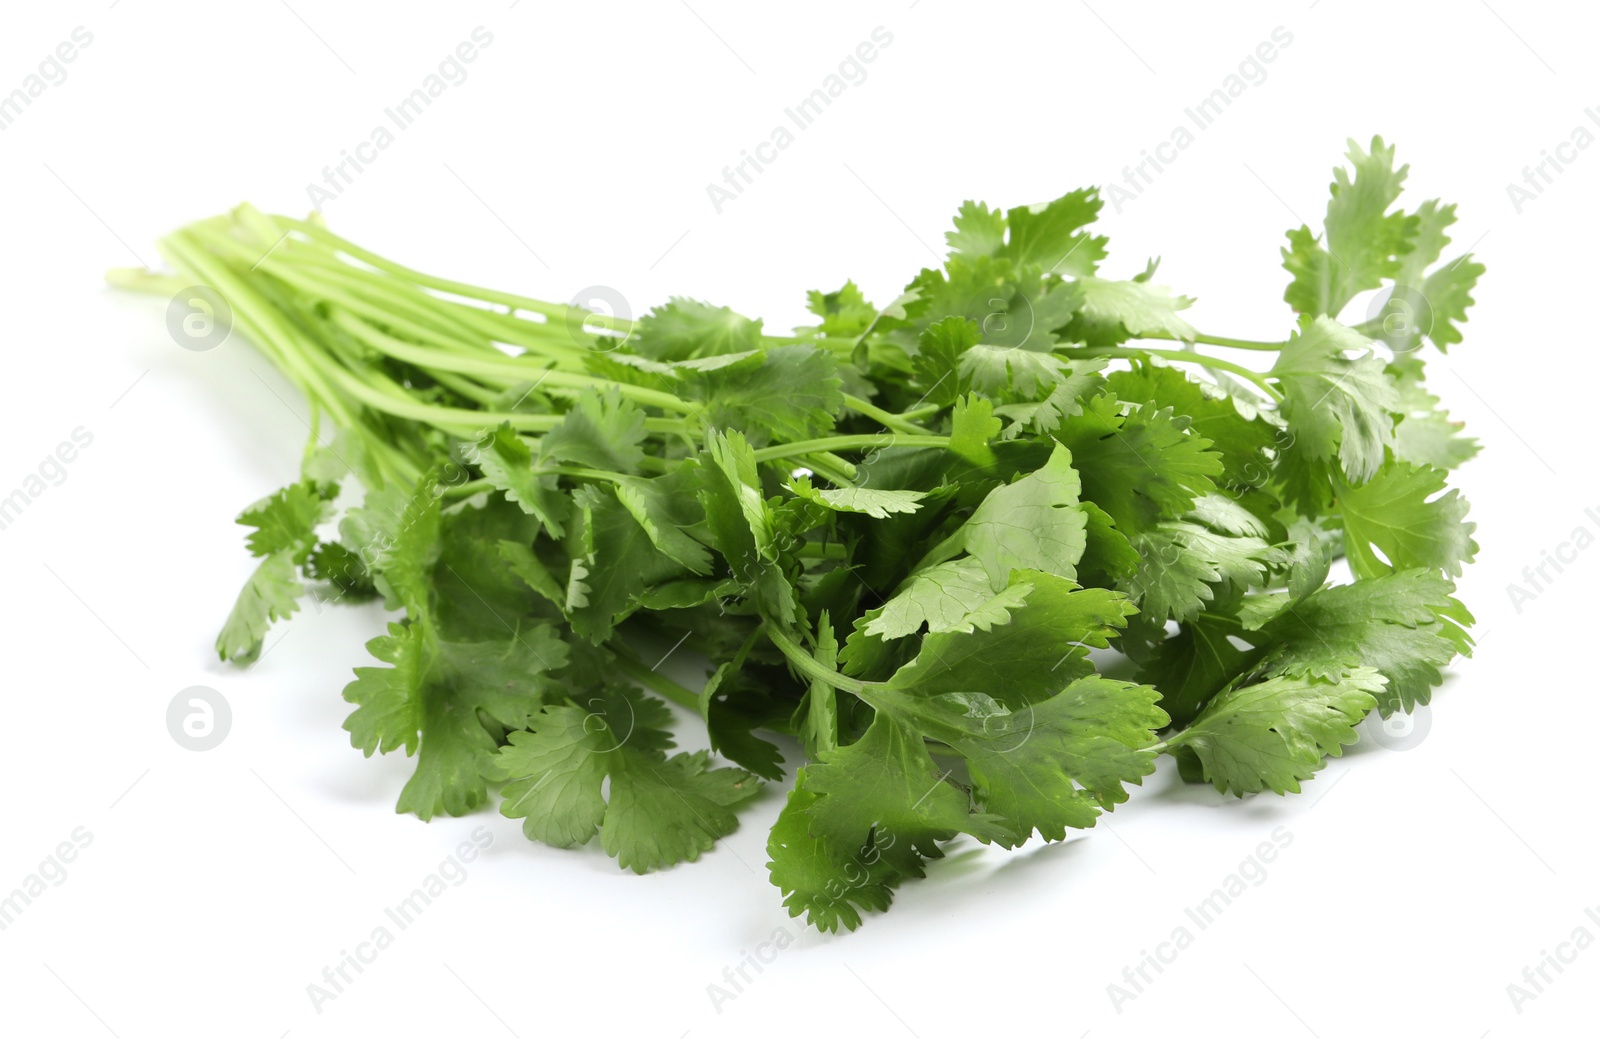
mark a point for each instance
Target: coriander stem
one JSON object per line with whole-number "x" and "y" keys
{"x": 458, "y": 288}
{"x": 898, "y": 423}
{"x": 866, "y": 441}
{"x": 507, "y": 367}
{"x": 658, "y": 683}
{"x": 1236, "y": 344}
{"x": 823, "y": 550}
{"x": 809, "y": 665}
{"x": 1182, "y": 356}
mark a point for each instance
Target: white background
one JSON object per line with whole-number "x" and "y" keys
{"x": 218, "y": 885}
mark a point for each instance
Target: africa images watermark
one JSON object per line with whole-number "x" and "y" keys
{"x": 401, "y": 116}
{"x": 852, "y": 72}
{"x": 1138, "y": 976}
{"x": 737, "y": 978}
{"x": 1252, "y": 71}
{"x": 51, "y": 72}
{"x": 452, "y": 872}
{"x": 1538, "y": 577}
{"x": 52, "y": 872}
{"x": 1544, "y": 972}
{"x": 1537, "y": 178}
{"x": 51, "y": 472}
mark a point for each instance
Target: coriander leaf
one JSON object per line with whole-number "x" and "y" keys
{"x": 1052, "y": 765}
{"x": 831, "y": 888}
{"x": 885, "y": 785}
{"x": 980, "y": 231}
{"x": 1041, "y": 647}
{"x": 1029, "y": 525}
{"x": 271, "y": 594}
{"x": 845, "y": 313}
{"x": 1405, "y": 513}
{"x": 285, "y": 522}
{"x": 972, "y": 426}
{"x": 940, "y": 348}
{"x": 666, "y": 507}
{"x": 1364, "y": 241}
{"x": 1191, "y": 666}
{"x": 558, "y": 770}
{"x": 790, "y": 392}
{"x": 1138, "y": 467}
{"x": 507, "y": 464}
{"x": 1335, "y": 404}
{"x": 1108, "y": 555}
{"x": 1113, "y": 311}
{"x": 686, "y": 328}
{"x": 1275, "y": 734}
{"x": 429, "y": 701}
{"x": 663, "y": 812}
{"x": 1242, "y": 442}
{"x": 658, "y": 810}
{"x": 1181, "y": 563}
{"x": 601, "y": 431}
{"x": 388, "y": 712}
{"x": 870, "y": 501}
{"x": 1049, "y": 234}
{"x": 522, "y": 562}
{"x": 1406, "y": 625}
{"x": 285, "y": 534}
{"x": 940, "y": 596}
{"x": 613, "y": 559}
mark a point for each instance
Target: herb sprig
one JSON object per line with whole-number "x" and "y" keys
{"x": 895, "y": 535}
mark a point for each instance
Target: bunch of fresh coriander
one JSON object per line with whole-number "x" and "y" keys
{"x": 895, "y": 535}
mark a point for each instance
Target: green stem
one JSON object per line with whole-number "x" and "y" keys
{"x": 658, "y": 683}
{"x": 458, "y": 288}
{"x": 808, "y": 665}
{"x": 860, "y": 442}
{"x": 507, "y": 367}
{"x": 1181, "y": 356}
{"x": 823, "y": 550}
{"x": 898, "y": 423}
{"x": 1236, "y": 344}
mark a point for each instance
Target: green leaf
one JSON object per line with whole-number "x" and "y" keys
{"x": 602, "y": 431}
{"x": 940, "y": 348}
{"x": 272, "y": 594}
{"x": 831, "y": 887}
{"x": 845, "y": 313}
{"x": 940, "y": 596}
{"x": 507, "y": 464}
{"x": 657, "y": 812}
{"x": 1241, "y": 442}
{"x": 667, "y": 508}
{"x": 1052, "y": 765}
{"x": 1336, "y": 405}
{"x": 686, "y": 328}
{"x": 788, "y": 392}
{"x": 1113, "y": 311}
{"x": 1139, "y": 467}
{"x": 613, "y": 560}
{"x": 1039, "y": 646}
{"x": 429, "y": 701}
{"x": 1405, "y": 625}
{"x": 1363, "y": 240}
{"x": 1031, "y": 524}
{"x": 1406, "y": 514}
{"x": 1275, "y": 734}
{"x": 870, "y": 501}
{"x": 285, "y": 521}
{"x": 1182, "y": 564}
